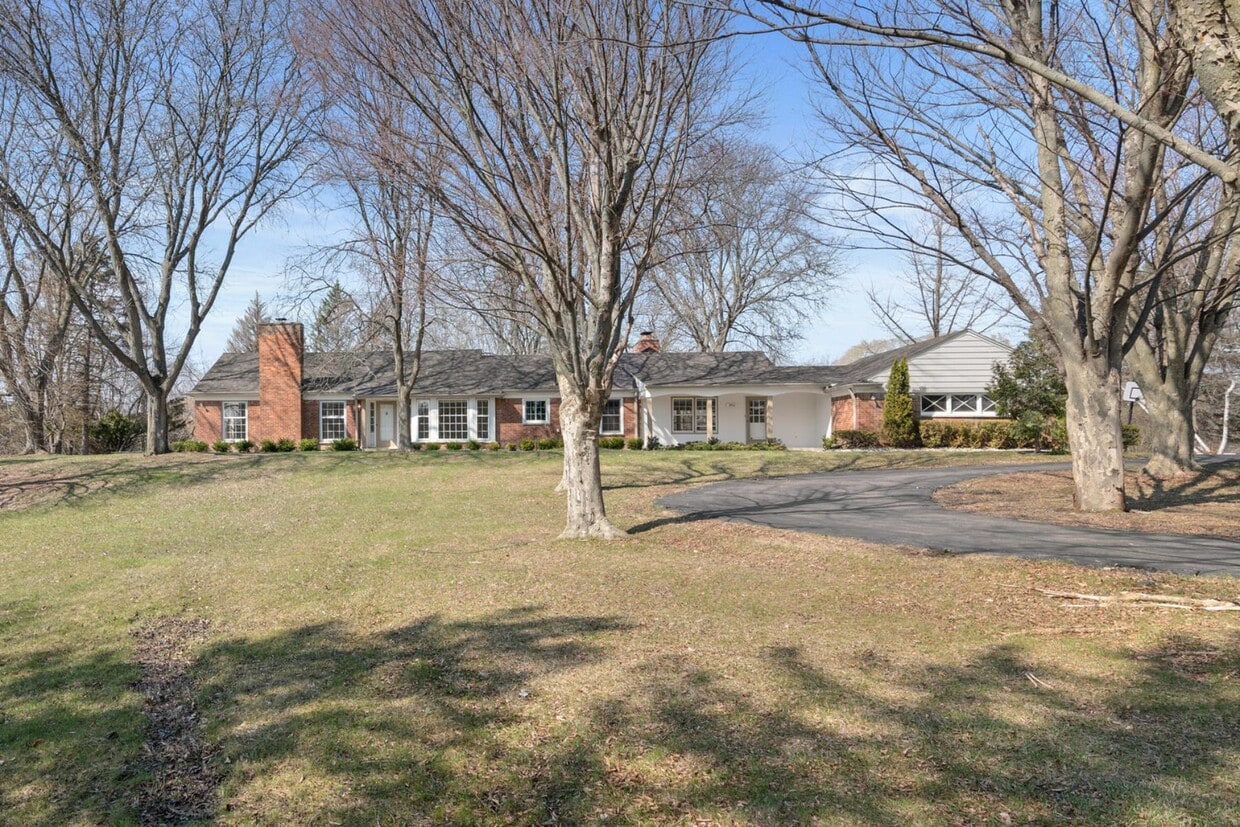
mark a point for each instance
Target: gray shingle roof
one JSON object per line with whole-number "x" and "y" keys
{"x": 466, "y": 372}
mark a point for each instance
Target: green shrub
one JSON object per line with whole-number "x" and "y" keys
{"x": 268, "y": 446}
{"x": 430, "y": 446}
{"x": 771, "y": 444}
{"x": 830, "y": 443}
{"x": 452, "y": 446}
{"x": 512, "y": 446}
{"x": 244, "y": 446}
{"x": 652, "y": 443}
{"x": 611, "y": 443}
{"x": 221, "y": 446}
{"x": 286, "y": 444}
{"x": 527, "y": 444}
{"x": 492, "y": 446}
{"x": 346, "y": 444}
{"x": 1132, "y": 435}
{"x": 899, "y": 422}
{"x": 550, "y": 443}
{"x": 189, "y": 446}
{"x": 415, "y": 446}
{"x": 857, "y": 439}
{"x": 308, "y": 444}
{"x": 473, "y": 445}
{"x": 114, "y": 431}
{"x": 633, "y": 444}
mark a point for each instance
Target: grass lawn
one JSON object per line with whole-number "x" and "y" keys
{"x": 1204, "y": 503}
{"x": 379, "y": 640}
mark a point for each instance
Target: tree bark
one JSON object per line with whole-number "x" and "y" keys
{"x": 156, "y": 421}
{"x": 587, "y": 516}
{"x": 1170, "y": 435}
{"x": 1094, "y": 419}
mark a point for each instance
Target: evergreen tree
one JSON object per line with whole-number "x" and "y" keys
{"x": 338, "y": 324}
{"x": 244, "y": 336}
{"x": 900, "y": 428}
{"x": 1030, "y": 382}
{"x": 1030, "y": 389}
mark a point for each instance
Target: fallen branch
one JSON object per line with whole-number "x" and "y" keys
{"x": 1169, "y": 601}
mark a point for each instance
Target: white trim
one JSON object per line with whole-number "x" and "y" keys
{"x": 344, "y": 419}
{"x": 620, "y": 432}
{"x": 951, "y": 412}
{"x": 546, "y": 400}
{"x": 224, "y": 419}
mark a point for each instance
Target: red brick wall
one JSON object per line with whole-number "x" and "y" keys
{"x": 208, "y": 421}
{"x": 866, "y": 416}
{"x": 310, "y": 419}
{"x": 281, "y": 348}
{"x": 508, "y": 414}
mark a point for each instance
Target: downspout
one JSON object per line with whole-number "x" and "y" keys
{"x": 853, "y": 394}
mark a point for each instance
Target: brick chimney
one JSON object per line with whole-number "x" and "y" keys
{"x": 281, "y": 350}
{"x": 648, "y": 343}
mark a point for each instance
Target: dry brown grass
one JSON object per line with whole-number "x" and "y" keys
{"x": 400, "y": 640}
{"x": 1207, "y": 503}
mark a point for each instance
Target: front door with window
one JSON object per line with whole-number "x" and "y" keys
{"x": 756, "y": 419}
{"x": 387, "y": 425}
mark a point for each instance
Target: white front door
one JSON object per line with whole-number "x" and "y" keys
{"x": 387, "y": 425}
{"x": 756, "y": 417}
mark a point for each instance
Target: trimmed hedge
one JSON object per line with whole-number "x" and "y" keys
{"x": 856, "y": 439}
{"x": 308, "y": 444}
{"x": 716, "y": 445}
{"x": 221, "y": 446}
{"x": 346, "y": 444}
{"x": 611, "y": 443}
{"x": 189, "y": 446}
{"x": 633, "y": 444}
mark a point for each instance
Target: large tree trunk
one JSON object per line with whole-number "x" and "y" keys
{"x": 1095, "y": 437}
{"x": 582, "y": 480}
{"x": 1170, "y": 435}
{"x": 157, "y": 421}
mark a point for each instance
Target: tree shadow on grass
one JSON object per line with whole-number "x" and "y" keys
{"x": 70, "y": 735}
{"x": 484, "y": 721}
{"x": 447, "y": 722}
{"x": 1214, "y": 485}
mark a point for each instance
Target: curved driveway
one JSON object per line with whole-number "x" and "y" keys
{"x": 895, "y": 507}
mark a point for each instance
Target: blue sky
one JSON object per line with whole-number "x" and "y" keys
{"x": 769, "y": 64}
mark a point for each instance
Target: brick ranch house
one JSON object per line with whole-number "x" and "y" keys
{"x": 283, "y": 392}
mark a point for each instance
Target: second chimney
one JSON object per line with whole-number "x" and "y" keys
{"x": 648, "y": 343}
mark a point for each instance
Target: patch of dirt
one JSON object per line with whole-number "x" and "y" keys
{"x": 182, "y": 783}
{"x": 1206, "y": 503}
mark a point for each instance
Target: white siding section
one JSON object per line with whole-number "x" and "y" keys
{"x": 801, "y": 419}
{"x": 963, "y": 365}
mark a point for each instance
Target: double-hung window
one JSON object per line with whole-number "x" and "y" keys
{"x": 331, "y": 421}
{"x": 534, "y": 412}
{"x": 612, "y": 422}
{"x": 424, "y": 419}
{"x": 690, "y": 415}
{"x": 236, "y": 421}
{"x": 482, "y": 424}
{"x": 453, "y": 419}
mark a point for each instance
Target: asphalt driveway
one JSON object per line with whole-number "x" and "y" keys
{"x": 895, "y": 507}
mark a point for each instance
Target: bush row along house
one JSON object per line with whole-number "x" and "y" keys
{"x": 283, "y": 392}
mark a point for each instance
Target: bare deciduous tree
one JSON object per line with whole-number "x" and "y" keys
{"x": 747, "y": 263}
{"x": 1192, "y": 261}
{"x": 934, "y": 296}
{"x": 562, "y": 130}
{"x": 1051, "y": 196}
{"x": 183, "y": 122}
